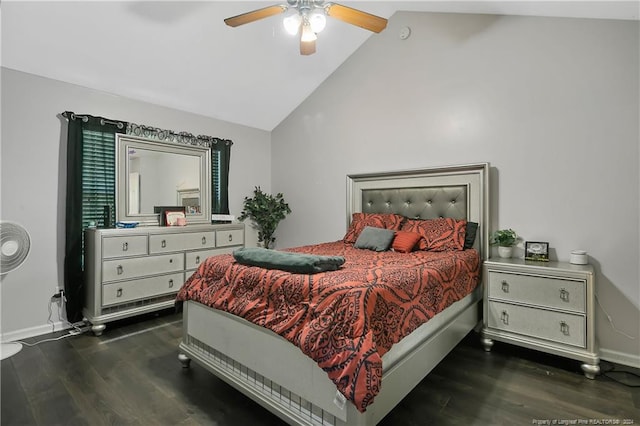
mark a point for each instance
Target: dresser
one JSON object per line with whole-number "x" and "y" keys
{"x": 134, "y": 271}
{"x": 546, "y": 306}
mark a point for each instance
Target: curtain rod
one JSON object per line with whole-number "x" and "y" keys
{"x": 85, "y": 118}
{"x": 144, "y": 131}
{"x": 152, "y": 132}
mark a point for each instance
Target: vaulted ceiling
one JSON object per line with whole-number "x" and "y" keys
{"x": 181, "y": 55}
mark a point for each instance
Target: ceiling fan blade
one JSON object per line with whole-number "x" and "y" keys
{"x": 307, "y": 47}
{"x": 356, "y": 17}
{"x": 255, "y": 15}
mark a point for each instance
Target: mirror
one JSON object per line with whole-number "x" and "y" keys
{"x": 151, "y": 173}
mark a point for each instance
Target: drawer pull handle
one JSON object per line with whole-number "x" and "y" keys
{"x": 505, "y": 286}
{"x": 125, "y": 246}
{"x": 171, "y": 283}
{"x": 197, "y": 260}
{"x": 164, "y": 243}
{"x": 119, "y": 292}
{"x": 564, "y": 295}
{"x": 505, "y": 317}
{"x": 171, "y": 260}
{"x": 230, "y": 237}
{"x": 204, "y": 240}
{"x": 564, "y": 328}
{"x": 120, "y": 270}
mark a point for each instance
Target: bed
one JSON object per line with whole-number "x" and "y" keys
{"x": 298, "y": 383}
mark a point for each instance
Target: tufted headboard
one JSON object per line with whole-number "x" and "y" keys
{"x": 460, "y": 192}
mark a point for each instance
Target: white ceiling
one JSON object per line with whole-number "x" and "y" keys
{"x": 181, "y": 55}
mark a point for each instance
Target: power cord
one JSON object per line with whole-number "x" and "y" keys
{"x": 628, "y": 336}
{"x": 64, "y": 336}
{"x": 610, "y": 372}
{"x": 77, "y": 328}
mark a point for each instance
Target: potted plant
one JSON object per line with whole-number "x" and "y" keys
{"x": 505, "y": 239}
{"x": 266, "y": 211}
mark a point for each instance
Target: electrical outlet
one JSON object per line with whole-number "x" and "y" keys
{"x": 58, "y": 294}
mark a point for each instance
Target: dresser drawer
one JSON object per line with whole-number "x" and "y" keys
{"x": 199, "y": 240}
{"x": 543, "y": 291}
{"x": 133, "y": 245}
{"x": 565, "y": 328}
{"x": 231, "y": 237}
{"x": 195, "y": 258}
{"x": 123, "y": 269}
{"x": 126, "y": 291}
{"x": 164, "y": 243}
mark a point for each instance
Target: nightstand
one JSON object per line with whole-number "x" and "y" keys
{"x": 546, "y": 306}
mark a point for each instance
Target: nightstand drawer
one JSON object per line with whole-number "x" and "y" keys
{"x": 543, "y": 291}
{"x": 565, "y": 328}
{"x": 139, "y": 289}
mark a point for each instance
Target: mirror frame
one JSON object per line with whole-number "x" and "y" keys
{"x": 126, "y": 142}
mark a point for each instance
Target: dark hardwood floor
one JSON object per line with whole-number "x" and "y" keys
{"x": 131, "y": 376}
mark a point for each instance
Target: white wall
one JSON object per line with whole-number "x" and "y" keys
{"x": 33, "y": 160}
{"x": 551, "y": 103}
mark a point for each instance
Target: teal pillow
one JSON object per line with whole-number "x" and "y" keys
{"x": 376, "y": 239}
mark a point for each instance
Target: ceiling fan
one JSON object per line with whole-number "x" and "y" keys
{"x": 309, "y": 19}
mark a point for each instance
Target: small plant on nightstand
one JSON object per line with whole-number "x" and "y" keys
{"x": 505, "y": 239}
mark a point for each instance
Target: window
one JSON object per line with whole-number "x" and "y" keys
{"x": 216, "y": 193}
{"x": 98, "y": 177}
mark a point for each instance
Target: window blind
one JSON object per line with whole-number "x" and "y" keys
{"x": 98, "y": 177}
{"x": 216, "y": 194}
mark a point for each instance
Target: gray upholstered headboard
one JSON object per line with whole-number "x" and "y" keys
{"x": 417, "y": 203}
{"x": 460, "y": 192}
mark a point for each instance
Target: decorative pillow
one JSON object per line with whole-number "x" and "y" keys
{"x": 404, "y": 242}
{"x": 470, "y": 235}
{"x": 442, "y": 234}
{"x": 377, "y": 220}
{"x": 376, "y": 239}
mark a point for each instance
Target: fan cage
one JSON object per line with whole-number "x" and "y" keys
{"x": 15, "y": 244}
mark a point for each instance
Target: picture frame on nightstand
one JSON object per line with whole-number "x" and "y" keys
{"x": 537, "y": 251}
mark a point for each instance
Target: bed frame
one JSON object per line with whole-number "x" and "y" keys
{"x": 291, "y": 385}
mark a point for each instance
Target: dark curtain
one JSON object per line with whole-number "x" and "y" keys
{"x": 73, "y": 259}
{"x": 223, "y": 149}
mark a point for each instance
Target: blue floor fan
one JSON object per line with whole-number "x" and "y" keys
{"x": 14, "y": 249}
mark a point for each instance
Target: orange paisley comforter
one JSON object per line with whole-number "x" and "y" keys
{"x": 344, "y": 320}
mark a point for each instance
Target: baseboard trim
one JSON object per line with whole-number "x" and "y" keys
{"x": 40, "y": 330}
{"x": 622, "y": 358}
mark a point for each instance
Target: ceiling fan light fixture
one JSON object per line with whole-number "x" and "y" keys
{"x": 307, "y": 33}
{"x": 317, "y": 21}
{"x": 309, "y": 17}
{"x": 292, "y": 23}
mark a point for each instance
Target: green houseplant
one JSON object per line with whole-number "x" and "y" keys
{"x": 505, "y": 239}
{"x": 266, "y": 211}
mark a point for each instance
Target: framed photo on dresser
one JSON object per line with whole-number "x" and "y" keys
{"x": 175, "y": 218}
{"x": 536, "y": 250}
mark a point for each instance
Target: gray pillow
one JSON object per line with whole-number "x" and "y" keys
{"x": 372, "y": 238}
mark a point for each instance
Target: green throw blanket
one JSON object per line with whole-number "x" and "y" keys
{"x": 298, "y": 263}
